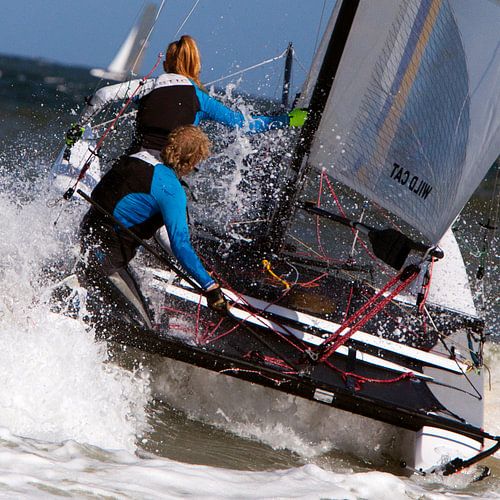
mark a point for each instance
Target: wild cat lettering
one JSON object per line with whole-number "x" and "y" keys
{"x": 413, "y": 182}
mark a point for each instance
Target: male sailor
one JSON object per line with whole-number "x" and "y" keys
{"x": 142, "y": 194}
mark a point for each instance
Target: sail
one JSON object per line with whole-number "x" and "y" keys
{"x": 412, "y": 120}
{"x": 319, "y": 56}
{"x": 129, "y": 57}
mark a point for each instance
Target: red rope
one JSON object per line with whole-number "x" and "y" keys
{"x": 205, "y": 325}
{"x": 360, "y": 380}
{"x": 341, "y": 210}
{"x": 268, "y": 359}
{"x": 364, "y": 307}
{"x": 209, "y": 338}
{"x": 386, "y": 313}
{"x": 339, "y": 340}
{"x": 313, "y": 283}
{"x": 348, "y": 302}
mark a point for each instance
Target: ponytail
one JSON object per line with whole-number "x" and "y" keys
{"x": 183, "y": 58}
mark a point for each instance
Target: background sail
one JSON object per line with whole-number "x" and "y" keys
{"x": 128, "y": 59}
{"x": 413, "y": 118}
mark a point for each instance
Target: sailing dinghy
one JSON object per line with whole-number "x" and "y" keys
{"x": 361, "y": 300}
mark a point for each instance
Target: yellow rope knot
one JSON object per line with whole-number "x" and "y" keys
{"x": 267, "y": 267}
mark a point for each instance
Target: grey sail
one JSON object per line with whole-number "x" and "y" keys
{"x": 319, "y": 56}
{"x": 128, "y": 59}
{"x": 412, "y": 119}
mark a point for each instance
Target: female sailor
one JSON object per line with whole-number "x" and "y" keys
{"x": 143, "y": 194}
{"x": 173, "y": 99}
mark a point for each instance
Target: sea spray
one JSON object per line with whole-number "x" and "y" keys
{"x": 279, "y": 420}
{"x": 235, "y": 189}
{"x": 491, "y": 390}
{"x": 57, "y": 382}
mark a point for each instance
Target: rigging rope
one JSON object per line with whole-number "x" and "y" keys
{"x": 366, "y": 312}
{"x": 297, "y": 60}
{"x": 187, "y": 17}
{"x": 341, "y": 210}
{"x": 267, "y": 61}
{"x": 360, "y": 379}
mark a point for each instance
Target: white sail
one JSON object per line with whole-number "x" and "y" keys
{"x": 308, "y": 87}
{"x": 129, "y": 57}
{"x": 412, "y": 121}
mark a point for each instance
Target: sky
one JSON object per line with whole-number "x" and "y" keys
{"x": 231, "y": 34}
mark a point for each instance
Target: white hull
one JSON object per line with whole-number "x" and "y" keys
{"x": 422, "y": 451}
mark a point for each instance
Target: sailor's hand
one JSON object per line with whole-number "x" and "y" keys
{"x": 297, "y": 117}
{"x": 215, "y": 298}
{"x": 74, "y": 134}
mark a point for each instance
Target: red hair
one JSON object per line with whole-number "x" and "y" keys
{"x": 186, "y": 146}
{"x": 183, "y": 58}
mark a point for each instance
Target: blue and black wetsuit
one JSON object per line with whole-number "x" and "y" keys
{"x": 143, "y": 195}
{"x": 172, "y": 100}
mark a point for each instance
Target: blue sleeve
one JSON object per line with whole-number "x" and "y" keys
{"x": 212, "y": 109}
{"x": 171, "y": 198}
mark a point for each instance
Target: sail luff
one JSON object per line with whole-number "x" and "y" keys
{"x": 343, "y": 14}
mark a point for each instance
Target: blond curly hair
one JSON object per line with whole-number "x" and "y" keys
{"x": 186, "y": 146}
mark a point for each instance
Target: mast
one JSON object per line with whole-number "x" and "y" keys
{"x": 287, "y": 76}
{"x": 299, "y": 167}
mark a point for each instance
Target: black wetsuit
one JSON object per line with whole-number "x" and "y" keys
{"x": 170, "y": 101}
{"x": 142, "y": 194}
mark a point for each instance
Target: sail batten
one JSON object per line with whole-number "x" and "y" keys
{"x": 412, "y": 120}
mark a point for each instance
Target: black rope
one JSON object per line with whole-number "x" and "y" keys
{"x": 459, "y": 464}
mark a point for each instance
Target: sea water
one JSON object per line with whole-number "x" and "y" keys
{"x": 78, "y": 419}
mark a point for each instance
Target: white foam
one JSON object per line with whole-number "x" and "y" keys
{"x": 492, "y": 392}
{"x": 56, "y": 381}
{"x": 30, "y": 469}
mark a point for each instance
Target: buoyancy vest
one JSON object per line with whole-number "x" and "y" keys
{"x": 170, "y": 104}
